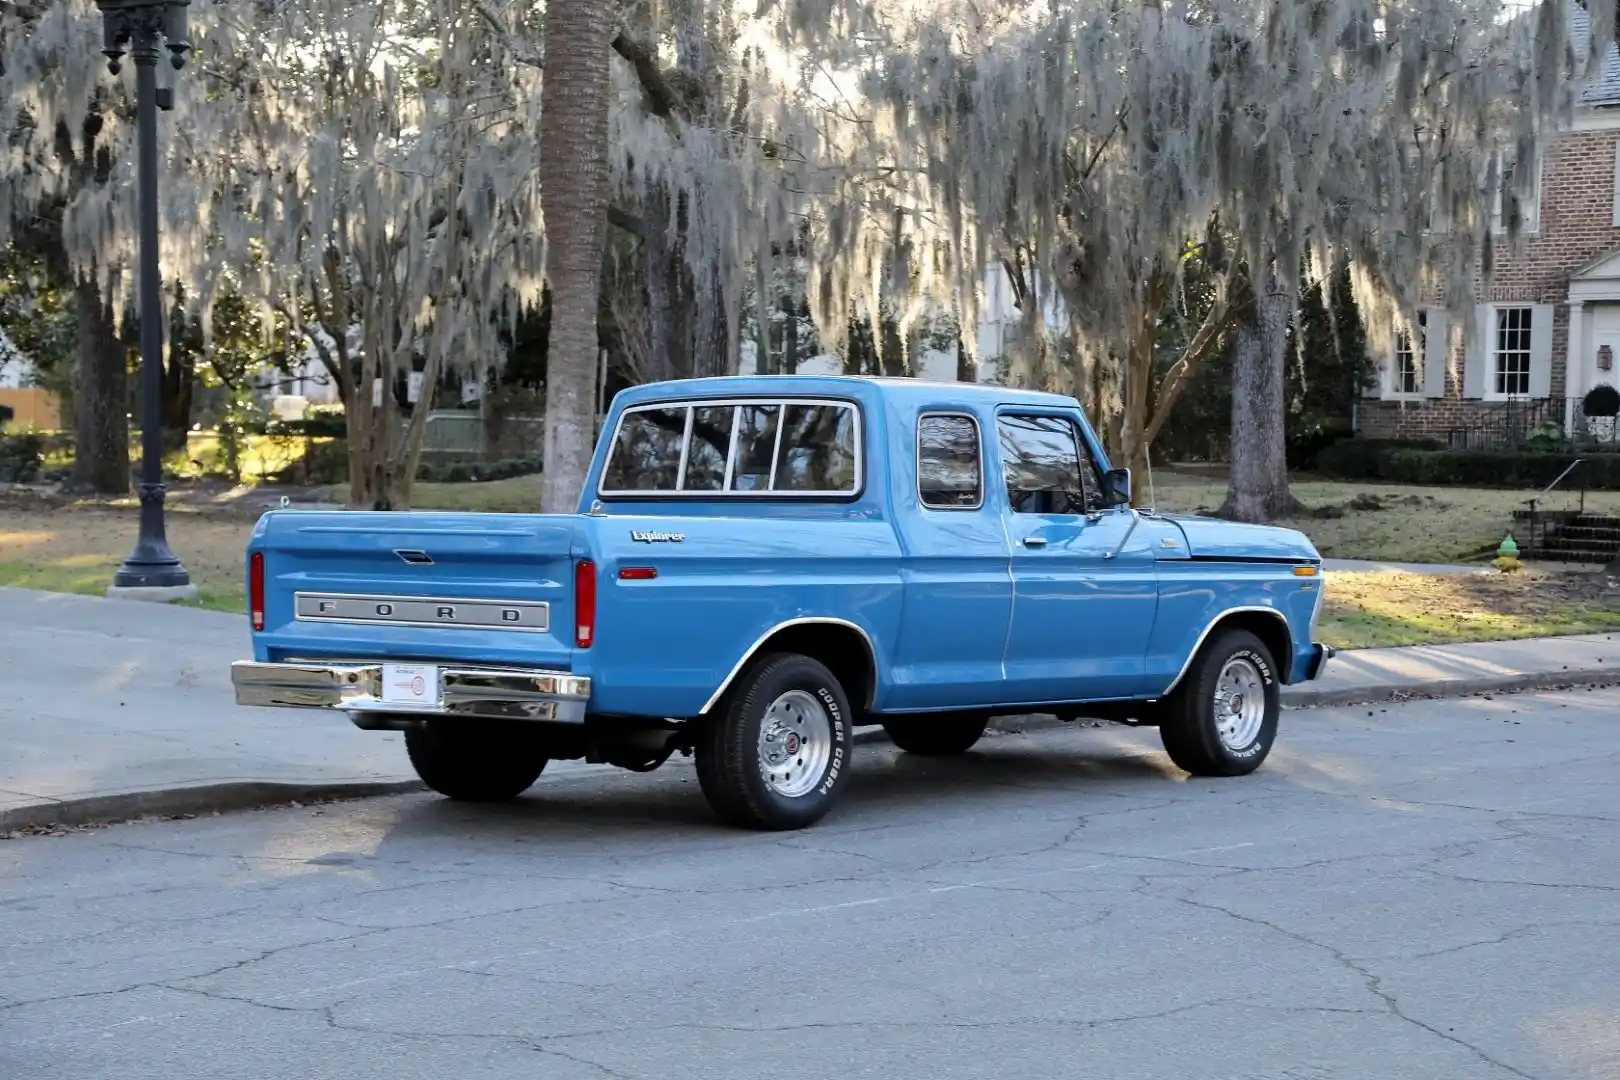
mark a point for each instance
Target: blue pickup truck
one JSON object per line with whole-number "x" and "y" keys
{"x": 758, "y": 566}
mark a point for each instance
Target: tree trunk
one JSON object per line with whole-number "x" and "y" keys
{"x": 100, "y": 398}
{"x": 179, "y": 385}
{"x": 1257, "y": 487}
{"x": 666, "y": 331}
{"x": 574, "y": 196}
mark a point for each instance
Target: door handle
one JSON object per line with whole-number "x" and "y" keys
{"x": 1034, "y": 541}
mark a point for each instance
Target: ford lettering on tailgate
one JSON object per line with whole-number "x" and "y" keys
{"x": 422, "y": 611}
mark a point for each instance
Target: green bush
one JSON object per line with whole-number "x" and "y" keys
{"x": 316, "y": 425}
{"x": 1363, "y": 459}
{"x": 478, "y": 471}
{"x": 1601, "y": 400}
{"x": 21, "y": 457}
{"x": 1522, "y": 469}
{"x": 1306, "y": 441}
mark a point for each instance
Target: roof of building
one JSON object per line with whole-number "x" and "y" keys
{"x": 1604, "y": 89}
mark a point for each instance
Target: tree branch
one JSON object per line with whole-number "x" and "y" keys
{"x": 624, "y": 219}
{"x": 661, "y": 97}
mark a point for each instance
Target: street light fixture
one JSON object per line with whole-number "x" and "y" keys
{"x": 143, "y": 28}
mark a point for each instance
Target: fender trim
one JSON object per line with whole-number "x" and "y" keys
{"x": 1216, "y": 621}
{"x": 731, "y": 676}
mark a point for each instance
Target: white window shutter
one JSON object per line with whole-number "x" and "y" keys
{"x": 1477, "y": 360}
{"x": 1541, "y": 336}
{"x": 1435, "y": 350}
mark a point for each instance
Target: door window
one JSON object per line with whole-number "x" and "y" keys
{"x": 1046, "y": 466}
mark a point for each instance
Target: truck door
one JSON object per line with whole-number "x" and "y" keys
{"x": 1084, "y": 588}
{"x": 958, "y": 595}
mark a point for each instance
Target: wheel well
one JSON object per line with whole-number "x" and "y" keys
{"x": 1271, "y": 629}
{"x": 842, "y": 648}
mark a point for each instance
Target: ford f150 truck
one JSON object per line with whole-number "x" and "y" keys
{"x": 758, "y": 566}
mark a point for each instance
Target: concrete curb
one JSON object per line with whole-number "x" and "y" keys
{"x": 194, "y": 799}
{"x": 251, "y": 794}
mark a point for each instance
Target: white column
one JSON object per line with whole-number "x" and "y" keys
{"x": 1574, "y": 362}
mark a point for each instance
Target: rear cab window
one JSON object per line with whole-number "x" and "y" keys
{"x": 736, "y": 448}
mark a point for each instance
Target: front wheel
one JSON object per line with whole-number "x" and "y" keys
{"x": 1222, "y": 719}
{"x": 936, "y": 736}
{"x": 776, "y": 752}
{"x": 476, "y": 761}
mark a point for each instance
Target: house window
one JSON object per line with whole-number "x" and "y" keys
{"x": 1409, "y": 358}
{"x": 1510, "y": 352}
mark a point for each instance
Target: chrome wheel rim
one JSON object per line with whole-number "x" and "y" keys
{"x": 795, "y": 744}
{"x": 1240, "y": 704}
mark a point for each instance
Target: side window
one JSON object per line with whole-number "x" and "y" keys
{"x": 818, "y": 449}
{"x": 1046, "y": 466}
{"x": 711, "y": 444}
{"x": 756, "y": 447}
{"x": 950, "y": 473}
{"x": 646, "y": 454}
{"x": 742, "y": 447}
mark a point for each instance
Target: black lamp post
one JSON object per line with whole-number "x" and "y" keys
{"x": 144, "y": 27}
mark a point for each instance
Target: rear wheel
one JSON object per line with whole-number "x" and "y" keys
{"x": 776, "y": 752}
{"x": 943, "y": 735}
{"x": 1222, "y": 719}
{"x": 476, "y": 761}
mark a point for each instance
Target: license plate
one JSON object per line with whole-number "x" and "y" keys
{"x": 410, "y": 684}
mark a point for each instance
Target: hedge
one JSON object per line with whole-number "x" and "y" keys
{"x": 1364, "y": 459}
{"x": 461, "y": 473}
{"x": 1468, "y": 468}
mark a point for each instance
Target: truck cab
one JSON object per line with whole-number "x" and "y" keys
{"x": 756, "y": 567}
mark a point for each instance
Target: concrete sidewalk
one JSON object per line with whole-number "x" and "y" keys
{"x": 118, "y": 709}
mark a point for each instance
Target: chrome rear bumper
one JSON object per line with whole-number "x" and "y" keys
{"x": 357, "y": 687}
{"x": 1323, "y": 654}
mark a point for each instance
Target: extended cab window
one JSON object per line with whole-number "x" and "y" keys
{"x": 1047, "y": 468}
{"x": 949, "y": 473}
{"x": 736, "y": 447}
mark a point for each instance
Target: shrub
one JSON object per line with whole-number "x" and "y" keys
{"x": 1363, "y": 459}
{"x": 1305, "y": 443}
{"x": 1601, "y": 400}
{"x": 478, "y": 471}
{"x": 1489, "y": 468}
{"x": 21, "y": 457}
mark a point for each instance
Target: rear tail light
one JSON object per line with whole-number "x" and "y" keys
{"x": 256, "y": 589}
{"x": 584, "y": 603}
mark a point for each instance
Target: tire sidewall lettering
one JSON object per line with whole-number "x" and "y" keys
{"x": 1261, "y": 663}
{"x": 1268, "y": 680}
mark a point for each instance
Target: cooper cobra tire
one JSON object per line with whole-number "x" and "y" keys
{"x": 944, "y": 735}
{"x": 1222, "y": 719}
{"x": 776, "y": 753}
{"x": 473, "y": 762}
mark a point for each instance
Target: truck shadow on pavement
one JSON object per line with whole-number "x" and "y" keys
{"x": 886, "y": 786}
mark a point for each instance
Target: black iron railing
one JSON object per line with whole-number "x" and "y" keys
{"x": 1541, "y": 525}
{"x": 1510, "y": 425}
{"x": 1535, "y": 423}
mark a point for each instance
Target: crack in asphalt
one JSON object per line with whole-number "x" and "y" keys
{"x": 1372, "y": 981}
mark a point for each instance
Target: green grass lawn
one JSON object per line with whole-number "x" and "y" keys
{"x": 76, "y": 548}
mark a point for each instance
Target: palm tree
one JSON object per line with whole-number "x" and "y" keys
{"x": 574, "y": 197}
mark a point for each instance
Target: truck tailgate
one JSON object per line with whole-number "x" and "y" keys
{"x": 490, "y": 588}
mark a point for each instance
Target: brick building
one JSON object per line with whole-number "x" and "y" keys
{"x": 1549, "y": 323}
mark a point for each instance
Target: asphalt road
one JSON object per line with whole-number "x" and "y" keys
{"x": 1424, "y": 891}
